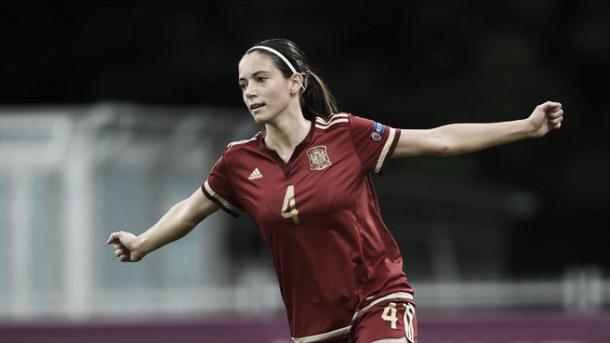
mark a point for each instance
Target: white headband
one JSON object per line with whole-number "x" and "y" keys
{"x": 277, "y": 53}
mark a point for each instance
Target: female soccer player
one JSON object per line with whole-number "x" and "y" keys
{"x": 305, "y": 180}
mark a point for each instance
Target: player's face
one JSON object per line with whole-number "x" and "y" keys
{"x": 266, "y": 92}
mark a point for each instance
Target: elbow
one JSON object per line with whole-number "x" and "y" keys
{"x": 186, "y": 216}
{"x": 445, "y": 151}
{"x": 449, "y": 151}
{"x": 189, "y": 214}
{"x": 440, "y": 143}
{"x": 446, "y": 148}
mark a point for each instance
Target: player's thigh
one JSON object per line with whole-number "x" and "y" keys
{"x": 389, "y": 322}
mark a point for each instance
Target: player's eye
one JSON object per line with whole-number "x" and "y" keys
{"x": 261, "y": 78}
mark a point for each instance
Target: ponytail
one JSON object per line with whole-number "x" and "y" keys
{"x": 317, "y": 100}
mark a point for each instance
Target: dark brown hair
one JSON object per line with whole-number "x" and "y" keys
{"x": 316, "y": 99}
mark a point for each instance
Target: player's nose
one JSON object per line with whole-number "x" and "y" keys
{"x": 249, "y": 92}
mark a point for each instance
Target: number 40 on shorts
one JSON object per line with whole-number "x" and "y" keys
{"x": 390, "y": 314}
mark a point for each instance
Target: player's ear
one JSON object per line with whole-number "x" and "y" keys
{"x": 296, "y": 82}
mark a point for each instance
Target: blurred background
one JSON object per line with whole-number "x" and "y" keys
{"x": 112, "y": 111}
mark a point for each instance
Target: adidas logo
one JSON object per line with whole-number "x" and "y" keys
{"x": 256, "y": 174}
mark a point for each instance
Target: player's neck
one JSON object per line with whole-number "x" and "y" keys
{"x": 286, "y": 132}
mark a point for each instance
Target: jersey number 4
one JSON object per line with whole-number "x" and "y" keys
{"x": 389, "y": 314}
{"x": 289, "y": 208}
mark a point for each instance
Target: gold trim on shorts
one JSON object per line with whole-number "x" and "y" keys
{"x": 345, "y": 330}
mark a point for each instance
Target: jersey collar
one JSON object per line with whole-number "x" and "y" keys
{"x": 295, "y": 154}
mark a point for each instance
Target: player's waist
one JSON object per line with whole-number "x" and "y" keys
{"x": 344, "y": 331}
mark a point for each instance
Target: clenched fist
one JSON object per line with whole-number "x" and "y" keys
{"x": 124, "y": 244}
{"x": 546, "y": 117}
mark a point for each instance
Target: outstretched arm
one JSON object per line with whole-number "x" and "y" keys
{"x": 455, "y": 139}
{"x": 176, "y": 223}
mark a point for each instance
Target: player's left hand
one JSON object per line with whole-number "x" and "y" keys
{"x": 546, "y": 117}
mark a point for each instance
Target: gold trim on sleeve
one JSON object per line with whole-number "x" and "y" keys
{"x": 386, "y": 148}
{"x": 222, "y": 200}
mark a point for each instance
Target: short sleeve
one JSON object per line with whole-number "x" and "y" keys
{"x": 374, "y": 142}
{"x": 217, "y": 187}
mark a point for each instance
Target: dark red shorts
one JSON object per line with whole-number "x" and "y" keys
{"x": 387, "y": 320}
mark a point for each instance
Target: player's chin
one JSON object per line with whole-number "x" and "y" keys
{"x": 261, "y": 117}
{"x": 257, "y": 119}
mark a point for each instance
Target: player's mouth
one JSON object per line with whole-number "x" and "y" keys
{"x": 256, "y": 106}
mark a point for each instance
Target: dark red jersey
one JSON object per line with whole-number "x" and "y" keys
{"x": 320, "y": 217}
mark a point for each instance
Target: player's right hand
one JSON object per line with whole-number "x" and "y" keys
{"x": 124, "y": 244}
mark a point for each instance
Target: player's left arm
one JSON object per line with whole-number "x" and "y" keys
{"x": 455, "y": 139}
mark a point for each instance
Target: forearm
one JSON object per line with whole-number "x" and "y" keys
{"x": 465, "y": 138}
{"x": 172, "y": 226}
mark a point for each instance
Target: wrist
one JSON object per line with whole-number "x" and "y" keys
{"x": 528, "y": 128}
{"x": 140, "y": 246}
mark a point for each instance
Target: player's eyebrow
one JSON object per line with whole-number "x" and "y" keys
{"x": 253, "y": 75}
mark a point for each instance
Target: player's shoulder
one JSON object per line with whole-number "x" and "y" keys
{"x": 333, "y": 122}
{"x": 239, "y": 145}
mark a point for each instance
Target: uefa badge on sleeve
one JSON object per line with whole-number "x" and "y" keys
{"x": 318, "y": 158}
{"x": 377, "y": 132}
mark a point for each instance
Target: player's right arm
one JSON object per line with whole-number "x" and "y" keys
{"x": 176, "y": 223}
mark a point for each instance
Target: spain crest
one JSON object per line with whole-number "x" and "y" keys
{"x": 318, "y": 158}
